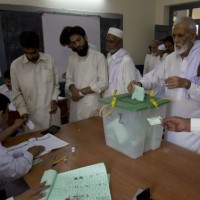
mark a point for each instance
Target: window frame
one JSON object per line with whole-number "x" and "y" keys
{"x": 187, "y": 6}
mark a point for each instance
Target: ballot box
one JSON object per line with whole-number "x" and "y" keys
{"x": 126, "y": 127}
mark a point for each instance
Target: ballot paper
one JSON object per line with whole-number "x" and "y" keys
{"x": 85, "y": 183}
{"x": 30, "y": 125}
{"x": 154, "y": 120}
{"x": 49, "y": 141}
{"x": 138, "y": 93}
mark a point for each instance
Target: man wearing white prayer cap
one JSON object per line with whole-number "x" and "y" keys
{"x": 116, "y": 32}
{"x": 121, "y": 68}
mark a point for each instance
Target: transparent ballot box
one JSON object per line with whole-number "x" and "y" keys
{"x": 126, "y": 128}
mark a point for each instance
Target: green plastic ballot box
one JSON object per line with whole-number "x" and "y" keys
{"x": 126, "y": 128}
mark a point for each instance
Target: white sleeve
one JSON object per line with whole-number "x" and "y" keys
{"x": 102, "y": 75}
{"x": 17, "y": 95}
{"x": 195, "y": 125}
{"x": 56, "y": 90}
{"x": 129, "y": 73}
{"x": 146, "y": 70}
{"x": 11, "y": 198}
{"x": 69, "y": 75}
{"x": 194, "y": 91}
{"x": 14, "y": 166}
{"x": 154, "y": 78}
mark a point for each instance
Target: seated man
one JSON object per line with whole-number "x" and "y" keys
{"x": 17, "y": 165}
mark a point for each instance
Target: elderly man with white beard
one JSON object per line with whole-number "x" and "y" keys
{"x": 180, "y": 72}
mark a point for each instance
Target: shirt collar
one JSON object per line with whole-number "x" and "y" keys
{"x": 113, "y": 56}
{"x": 41, "y": 57}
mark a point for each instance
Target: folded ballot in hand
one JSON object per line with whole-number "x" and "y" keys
{"x": 138, "y": 93}
{"x": 89, "y": 183}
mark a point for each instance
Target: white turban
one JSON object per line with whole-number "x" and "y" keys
{"x": 161, "y": 47}
{"x": 116, "y": 32}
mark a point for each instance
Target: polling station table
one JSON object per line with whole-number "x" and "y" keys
{"x": 171, "y": 172}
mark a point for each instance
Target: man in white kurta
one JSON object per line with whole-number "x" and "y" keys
{"x": 159, "y": 91}
{"x": 180, "y": 74}
{"x": 121, "y": 68}
{"x": 149, "y": 63}
{"x": 151, "y": 58}
{"x": 35, "y": 86}
{"x": 86, "y": 77}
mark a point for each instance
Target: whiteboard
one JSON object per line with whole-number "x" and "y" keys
{"x": 52, "y": 25}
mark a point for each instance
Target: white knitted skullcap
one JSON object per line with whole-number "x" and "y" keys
{"x": 161, "y": 47}
{"x": 115, "y": 31}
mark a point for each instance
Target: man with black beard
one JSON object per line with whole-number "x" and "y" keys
{"x": 86, "y": 76}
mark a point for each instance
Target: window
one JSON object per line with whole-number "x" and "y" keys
{"x": 180, "y": 13}
{"x": 196, "y": 13}
{"x": 188, "y": 9}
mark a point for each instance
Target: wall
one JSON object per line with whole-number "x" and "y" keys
{"x": 138, "y": 18}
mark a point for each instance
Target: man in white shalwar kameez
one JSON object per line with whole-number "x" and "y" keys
{"x": 151, "y": 58}
{"x": 86, "y": 76}
{"x": 159, "y": 91}
{"x": 35, "y": 86}
{"x": 121, "y": 68}
{"x": 180, "y": 73}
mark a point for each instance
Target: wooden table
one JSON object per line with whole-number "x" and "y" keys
{"x": 170, "y": 172}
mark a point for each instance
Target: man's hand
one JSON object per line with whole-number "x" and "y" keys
{"x": 25, "y": 116}
{"x": 36, "y": 150}
{"x": 131, "y": 86}
{"x": 35, "y": 193}
{"x": 176, "y": 124}
{"x": 54, "y": 107}
{"x": 75, "y": 93}
{"x": 177, "y": 82}
{"x": 19, "y": 123}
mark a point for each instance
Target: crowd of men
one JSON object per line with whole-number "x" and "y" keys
{"x": 171, "y": 69}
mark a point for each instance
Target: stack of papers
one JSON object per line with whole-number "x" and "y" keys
{"x": 49, "y": 141}
{"x": 89, "y": 183}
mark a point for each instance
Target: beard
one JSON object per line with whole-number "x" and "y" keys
{"x": 111, "y": 51}
{"x": 180, "y": 49}
{"x": 82, "y": 51}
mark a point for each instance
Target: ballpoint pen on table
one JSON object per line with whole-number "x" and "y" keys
{"x": 74, "y": 198}
{"x": 59, "y": 160}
